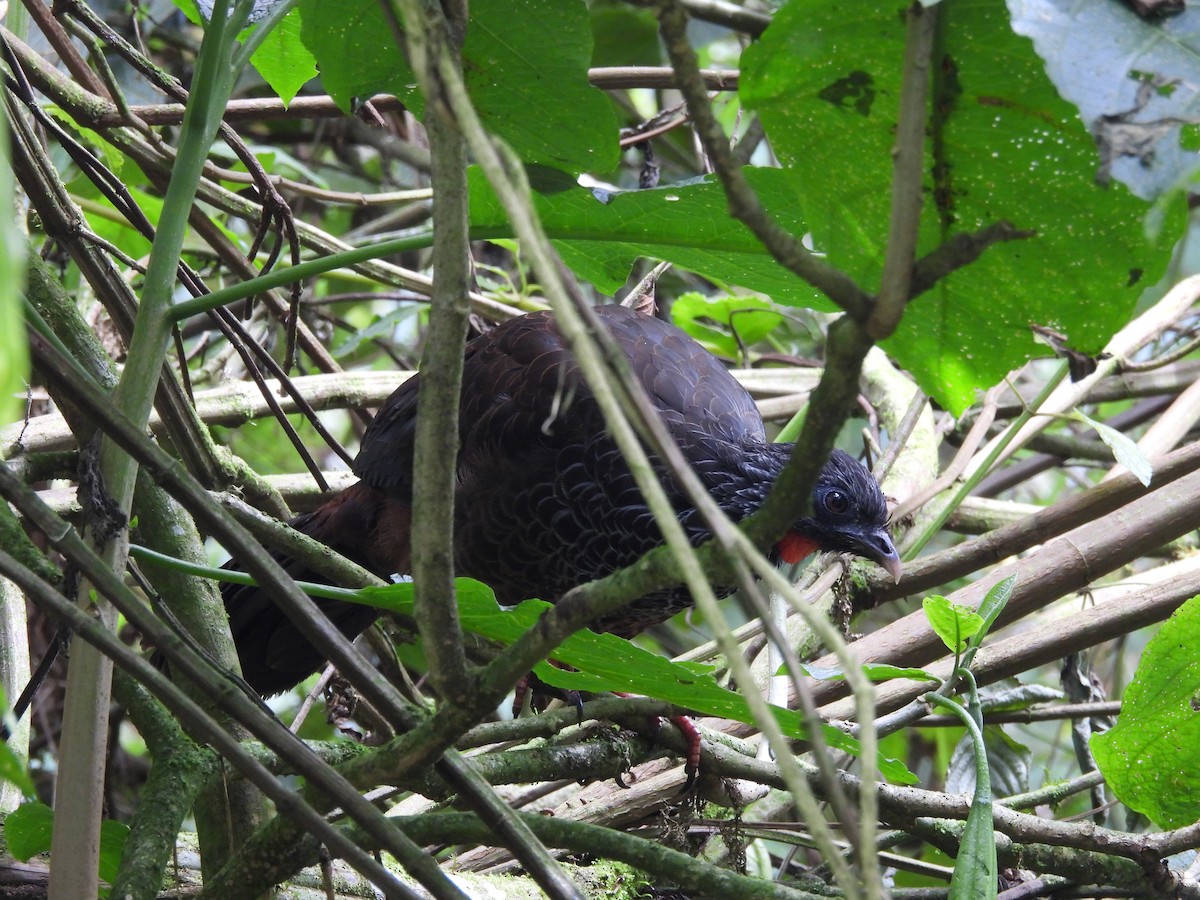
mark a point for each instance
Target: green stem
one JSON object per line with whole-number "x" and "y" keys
{"x": 291, "y": 274}
{"x": 230, "y": 576}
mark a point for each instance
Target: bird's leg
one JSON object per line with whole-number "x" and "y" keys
{"x": 691, "y": 762}
{"x": 691, "y": 735}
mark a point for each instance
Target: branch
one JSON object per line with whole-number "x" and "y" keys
{"x": 436, "y": 445}
{"x": 744, "y": 204}
{"x": 908, "y": 158}
{"x": 958, "y": 251}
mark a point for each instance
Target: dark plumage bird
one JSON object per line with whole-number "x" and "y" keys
{"x": 544, "y": 500}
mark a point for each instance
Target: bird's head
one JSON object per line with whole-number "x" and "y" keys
{"x": 849, "y": 516}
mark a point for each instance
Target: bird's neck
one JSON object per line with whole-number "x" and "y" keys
{"x": 740, "y": 476}
{"x": 741, "y": 485}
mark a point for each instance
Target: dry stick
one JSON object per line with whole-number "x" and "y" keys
{"x": 259, "y": 109}
{"x": 230, "y": 405}
{"x": 1054, "y": 713}
{"x": 958, "y": 465}
{"x": 907, "y": 426}
{"x": 721, "y": 12}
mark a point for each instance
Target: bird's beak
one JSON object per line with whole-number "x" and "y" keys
{"x": 892, "y": 565}
{"x": 876, "y": 545}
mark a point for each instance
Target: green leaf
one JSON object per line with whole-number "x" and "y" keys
{"x": 1125, "y": 450}
{"x": 282, "y": 59}
{"x": 873, "y": 671}
{"x": 600, "y": 234}
{"x": 606, "y": 662}
{"x": 1002, "y": 146}
{"x": 112, "y": 844}
{"x": 354, "y": 48}
{"x": 993, "y": 604}
{"x": 975, "y": 868}
{"x": 14, "y": 352}
{"x": 954, "y": 624}
{"x": 1008, "y": 760}
{"x": 29, "y": 828}
{"x": 1151, "y": 756}
{"x": 725, "y": 325}
{"x": 383, "y": 327}
{"x": 624, "y": 37}
{"x": 107, "y": 222}
{"x": 532, "y": 92}
{"x": 1010, "y": 694}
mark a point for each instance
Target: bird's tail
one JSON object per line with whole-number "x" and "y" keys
{"x": 362, "y": 524}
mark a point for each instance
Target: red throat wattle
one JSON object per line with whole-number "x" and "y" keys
{"x": 794, "y": 546}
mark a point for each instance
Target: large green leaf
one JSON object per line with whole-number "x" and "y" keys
{"x": 600, "y": 234}
{"x": 1150, "y": 758}
{"x": 282, "y": 59}
{"x": 355, "y": 51}
{"x": 528, "y": 83}
{"x": 624, "y": 37}
{"x": 1002, "y": 146}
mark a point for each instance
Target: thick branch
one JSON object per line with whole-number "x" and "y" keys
{"x": 744, "y": 204}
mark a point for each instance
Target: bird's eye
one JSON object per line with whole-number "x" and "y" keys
{"x": 836, "y": 502}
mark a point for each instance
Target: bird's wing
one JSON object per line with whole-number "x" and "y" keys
{"x": 693, "y": 391}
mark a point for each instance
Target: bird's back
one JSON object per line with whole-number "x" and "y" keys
{"x": 523, "y": 392}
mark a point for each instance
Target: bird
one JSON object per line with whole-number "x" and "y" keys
{"x": 544, "y": 500}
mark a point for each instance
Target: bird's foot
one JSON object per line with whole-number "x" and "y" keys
{"x": 691, "y": 735}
